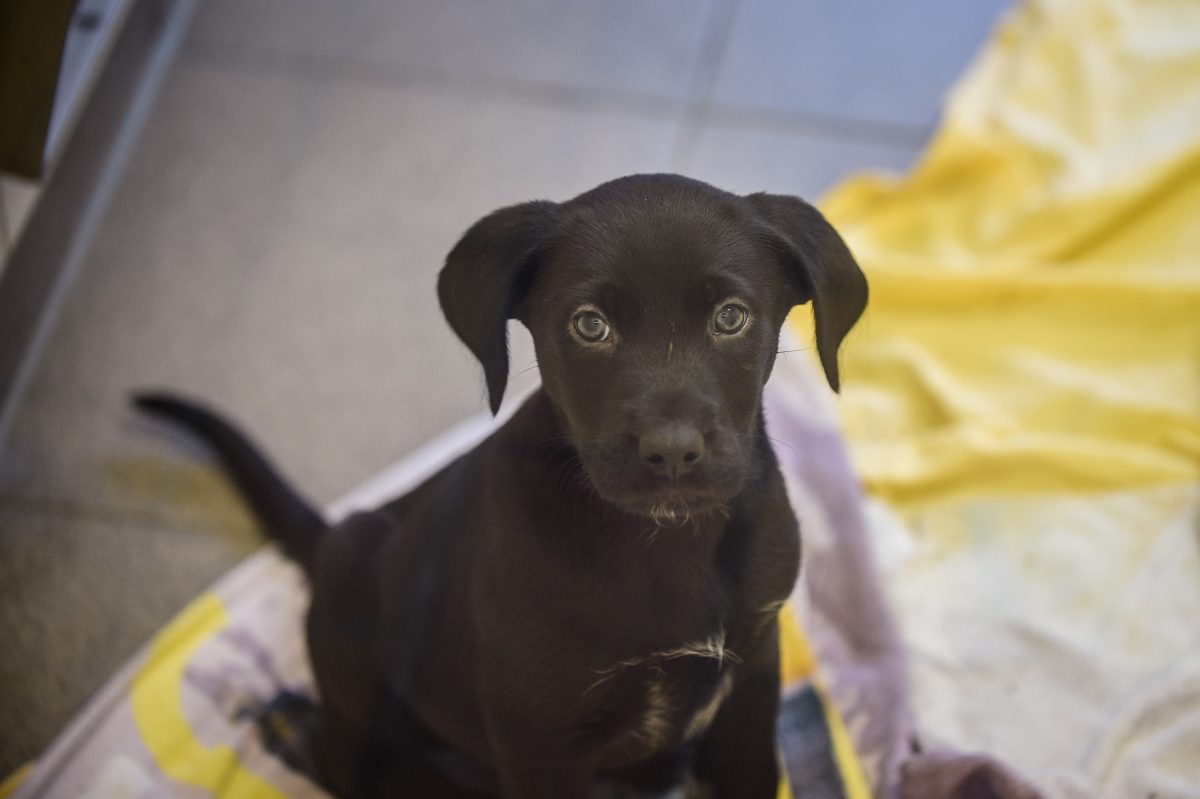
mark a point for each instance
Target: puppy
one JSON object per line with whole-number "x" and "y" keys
{"x": 589, "y": 596}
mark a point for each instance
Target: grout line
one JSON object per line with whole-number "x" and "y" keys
{"x": 718, "y": 31}
{"x": 866, "y": 131}
{"x": 330, "y": 68}
{"x": 695, "y": 108}
{"x": 105, "y": 514}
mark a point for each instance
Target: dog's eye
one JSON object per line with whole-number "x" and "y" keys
{"x": 730, "y": 319}
{"x": 591, "y": 326}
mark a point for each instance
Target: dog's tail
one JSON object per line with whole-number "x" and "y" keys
{"x": 287, "y": 517}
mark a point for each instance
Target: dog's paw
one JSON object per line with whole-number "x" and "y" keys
{"x": 287, "y": 724}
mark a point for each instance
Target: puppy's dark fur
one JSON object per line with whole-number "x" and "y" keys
{"x": 591, "y": 593}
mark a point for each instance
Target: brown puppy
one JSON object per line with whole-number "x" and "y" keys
{"x": 590, "y": 595}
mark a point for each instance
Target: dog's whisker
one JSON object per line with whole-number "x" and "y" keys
{"x": 783, "y": 443}
{"x": 605, "y": 676}
{"x": 651, "y": 536}
{"x": 722, "y": 510}
{"x": 513, "y": 377}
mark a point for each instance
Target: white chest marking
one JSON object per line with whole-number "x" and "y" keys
{"x": 705, "y": 715}
{"x": 655, "y": 727}
{"x": 711, "y": 647}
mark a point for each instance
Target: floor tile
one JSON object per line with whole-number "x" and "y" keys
{"x": 303, "y": 26}
{"x": 282, "y": 265}
{"x": 79, "y": 596}
{"x": 624, "y": 45}
{"x": 870, "y": 60}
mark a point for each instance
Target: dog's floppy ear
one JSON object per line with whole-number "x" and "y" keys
{"x": 485, "y": 279}
{"x": 821, "y": 267}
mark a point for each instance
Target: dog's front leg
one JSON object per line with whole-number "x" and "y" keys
{"x": 737, "y": 756}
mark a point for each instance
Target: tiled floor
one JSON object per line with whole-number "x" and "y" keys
{"x": 274, "y": 245}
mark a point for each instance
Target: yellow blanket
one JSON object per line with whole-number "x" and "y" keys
{"x": 1034, "y": 323}
{"x": 1023, "y": 398}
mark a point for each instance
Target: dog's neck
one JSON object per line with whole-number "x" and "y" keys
{"x": 680, "y": 581}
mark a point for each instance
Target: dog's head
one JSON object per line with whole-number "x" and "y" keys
{"x": 655, "y": 304}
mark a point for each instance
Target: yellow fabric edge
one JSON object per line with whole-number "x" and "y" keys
{"x": 796, "y": 659}
{"x": 975, "y": 458}
{"x": 854, "y": 780}
{"x": 797, "y": 664}
{"x": 156, "y": 699}
{"x": 13, "y": 781}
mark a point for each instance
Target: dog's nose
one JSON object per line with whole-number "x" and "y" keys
{"x": 673, "y": 449}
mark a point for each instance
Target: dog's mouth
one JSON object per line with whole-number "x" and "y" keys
{"x": 677, "y": 511}
{"x": 675, "y": 506}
